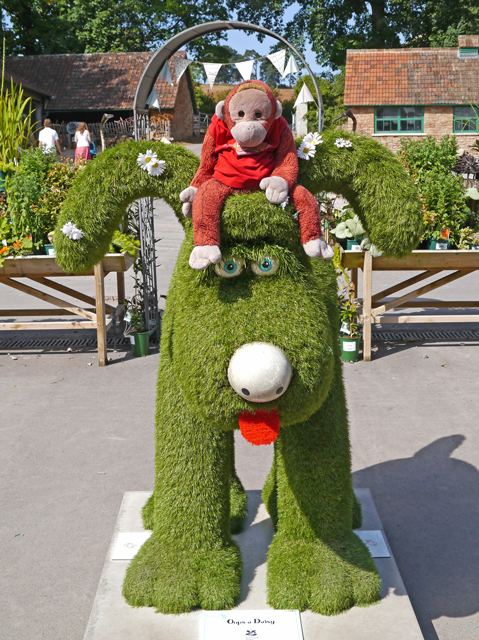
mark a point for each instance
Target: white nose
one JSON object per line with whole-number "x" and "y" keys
{"x": 259, "y": 372}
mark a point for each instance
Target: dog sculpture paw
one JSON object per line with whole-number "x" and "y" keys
{"x": 326, "y": 577}
{"x": 175, "y": 580}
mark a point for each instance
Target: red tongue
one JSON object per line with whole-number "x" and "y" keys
{"x": 260, "y": 427}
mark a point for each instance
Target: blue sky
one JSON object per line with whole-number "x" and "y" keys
{"x": 242, "y": 40}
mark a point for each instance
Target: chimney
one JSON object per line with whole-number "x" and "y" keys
{"x": 468, "y": 47}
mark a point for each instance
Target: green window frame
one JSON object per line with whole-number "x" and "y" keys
{"x": 399, "y": 120}
{"x": 466, "y": 119}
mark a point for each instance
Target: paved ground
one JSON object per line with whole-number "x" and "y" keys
{"x": 74, "y": 438}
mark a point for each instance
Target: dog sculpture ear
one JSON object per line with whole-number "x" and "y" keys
{"x": 220, "y": 110}
{"x": 279, "y": 110}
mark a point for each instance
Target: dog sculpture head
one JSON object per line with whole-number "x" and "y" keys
{"x": 254, "y": 338}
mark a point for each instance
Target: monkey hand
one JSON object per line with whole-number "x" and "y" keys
{"x": 276, "y": 189}
{"x": 187, "y": 196}
{"x": 202, "y": 256}
{"x": 318, "y": 247}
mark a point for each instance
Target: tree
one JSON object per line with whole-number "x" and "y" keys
{"x": 31, "y": 27}
{"x": 332, "y": 90}
{"x": 333, "y": 26}
{"x": 34, "y": 27}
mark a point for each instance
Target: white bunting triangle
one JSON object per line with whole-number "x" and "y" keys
{"x": 278, "y": 59}
{"x": 165, "y": 73}
{"x": 245, "y": 68}
{"x": 181, "y": 65}
{"x": 291, "y": 67}
{"x": 152, "y": 100}
{"x": 304, "y": 96}
{"x": 211, "y": 70}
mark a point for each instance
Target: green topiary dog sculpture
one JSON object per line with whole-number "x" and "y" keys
{"x": 268, "y": 295}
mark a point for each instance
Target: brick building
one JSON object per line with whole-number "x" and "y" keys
{"x": 82, "y": 87}
{"x": 398, "y": 93}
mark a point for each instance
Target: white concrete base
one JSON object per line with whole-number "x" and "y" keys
{"x": 113, "y": 619}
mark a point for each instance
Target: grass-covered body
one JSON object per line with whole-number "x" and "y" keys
{"x": 190, "y": 560}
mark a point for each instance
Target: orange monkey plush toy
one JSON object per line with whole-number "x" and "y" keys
{"x": 248, "y": 147}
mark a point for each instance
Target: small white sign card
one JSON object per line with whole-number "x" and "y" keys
{"x": 128, "y": 544}
{"x": 375, "y": 542}
{"x": 251, "y": 625}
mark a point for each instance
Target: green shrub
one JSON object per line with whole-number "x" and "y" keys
{"x": 430, "y": 162}
{"x": 25, "y": 187}
{"x": 54, "y": 190}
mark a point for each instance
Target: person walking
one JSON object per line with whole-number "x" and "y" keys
{"x": 82, "y": 139}
{"x": 48, "y": 138}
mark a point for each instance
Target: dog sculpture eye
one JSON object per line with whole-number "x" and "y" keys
{"x": 265, "y": 266}
{"x": 229, "y": 267}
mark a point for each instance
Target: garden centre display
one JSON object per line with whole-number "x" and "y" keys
{"x": 250, "y": 342}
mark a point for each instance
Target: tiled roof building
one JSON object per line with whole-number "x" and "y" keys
{"x": 414, "y": 92}
{"x": 83, "y": 86}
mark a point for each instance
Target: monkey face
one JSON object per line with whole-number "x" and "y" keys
{"x": 250, "y": 111}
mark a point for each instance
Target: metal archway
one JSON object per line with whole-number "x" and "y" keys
{"x": 165, "y": 52}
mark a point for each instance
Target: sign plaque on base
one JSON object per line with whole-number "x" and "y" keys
{"x": 128, "y": 544}
{"x": 251, "y": 625}
{"x": 374, "y": 541}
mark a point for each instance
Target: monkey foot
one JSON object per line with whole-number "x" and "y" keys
{"x": 201, "y": 257}
{"x": 318, "y": 247}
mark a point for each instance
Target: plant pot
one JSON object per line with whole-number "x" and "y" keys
{"x": 140, "y": 343}
{"x": 439, "y": 245}
{"x": 353, "y": 244}
{"x": 349, "y": 348}
{"x": 2, "y": 181}
{"x": 49, "y": 250}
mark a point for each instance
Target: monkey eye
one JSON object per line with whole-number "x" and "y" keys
{"x": 241, "y": 114}
{"x": 257, "y": 114}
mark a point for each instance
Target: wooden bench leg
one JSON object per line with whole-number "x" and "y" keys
{"x": 100, "y": 314}
{"x": 367, "y": 293}
{"x": 120, "y": 286}
{"x": 354, "y": 283}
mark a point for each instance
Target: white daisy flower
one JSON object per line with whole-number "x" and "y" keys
{"x": 341, "y": 142}
{"x": 313, "y": 138}
{"x": 156, "y": 167}
{"x": 71, "y": 231}
{"x": 144, "y": 159}
{"x": 306, "y": 151}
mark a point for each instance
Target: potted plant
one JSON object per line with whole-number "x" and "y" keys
{"x": 136, "y": 326}
{"x": 348, "y": 313}
{"x": 351, "y": 234}
{"x": 49, "y": 248}
{"x": 349, "y": 334}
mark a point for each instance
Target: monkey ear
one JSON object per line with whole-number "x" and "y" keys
{"x": 279, "y": 110}
{"x": 220, "y": 110}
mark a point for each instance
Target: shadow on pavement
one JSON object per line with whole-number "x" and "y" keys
{"x": 428, "y": 505}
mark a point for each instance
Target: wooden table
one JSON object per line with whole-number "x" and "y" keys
{"x": 430, "y": 264}
{"x": 39, "y": 269}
